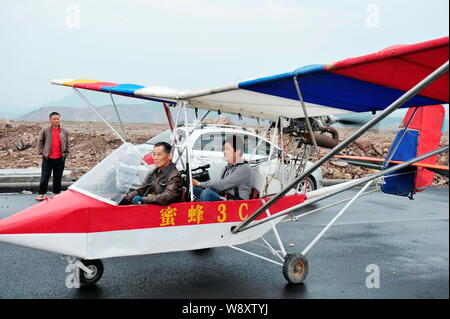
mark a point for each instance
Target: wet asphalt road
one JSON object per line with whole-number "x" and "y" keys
{"x": 407, "y": 241}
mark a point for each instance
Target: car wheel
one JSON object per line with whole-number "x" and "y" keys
{"x": 306, "y": 185}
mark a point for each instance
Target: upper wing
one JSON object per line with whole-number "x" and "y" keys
{"x": 110, "y": 87}
{"x": 367, "y": 83}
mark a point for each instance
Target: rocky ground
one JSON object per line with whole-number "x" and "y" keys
{"x": 91, "y": 142}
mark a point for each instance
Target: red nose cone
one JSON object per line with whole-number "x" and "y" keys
{"x": 65, "y": 213}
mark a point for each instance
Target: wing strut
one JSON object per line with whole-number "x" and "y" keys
{"x": 110, "y": 126}
{"x": 396, "y": 104}
{"x": 308, "y": 123}
{"x": 316, "y": 239}
{"x": 118, "y": 116}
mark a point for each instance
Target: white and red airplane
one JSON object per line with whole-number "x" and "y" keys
{"x": 86, "y": 224}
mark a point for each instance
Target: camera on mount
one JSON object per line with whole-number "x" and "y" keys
{"x": 201, "y": 176}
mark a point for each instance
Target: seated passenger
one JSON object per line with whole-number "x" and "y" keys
{"x": 163, "y": 185}
{"x": 236, "y": 177}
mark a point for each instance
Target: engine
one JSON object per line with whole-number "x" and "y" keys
{"x": 298, "y": 129}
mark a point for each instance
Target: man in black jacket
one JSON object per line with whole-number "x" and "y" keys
{"x": 163, "y": 185}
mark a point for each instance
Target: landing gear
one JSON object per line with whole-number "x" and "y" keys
{"x": 82, "y": 272}
{"x": 96, "y": 267}
{"x": 295, "y": 268}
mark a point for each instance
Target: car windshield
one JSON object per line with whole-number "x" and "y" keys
{"x": 165, "y": 137}
{"x": 112, "y": 178}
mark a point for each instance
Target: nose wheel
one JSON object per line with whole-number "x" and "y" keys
{"x": 82, "y": 272}
{"x": 96, "y": 268}
{"x": 295, "y": 268}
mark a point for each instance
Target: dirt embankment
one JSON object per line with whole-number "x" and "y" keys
{"x": 90, "y": 142}
{"x": 372, "y": 144}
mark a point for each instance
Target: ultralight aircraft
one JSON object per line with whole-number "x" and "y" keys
{"x": 85, "y": 223}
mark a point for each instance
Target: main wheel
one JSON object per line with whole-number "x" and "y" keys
{"x": 295, "y": 268}
{"x": 96, "y": 266}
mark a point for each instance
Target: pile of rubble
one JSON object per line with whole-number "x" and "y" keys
{"x": 90, "y": 142}
{"x": 372, "y": 144}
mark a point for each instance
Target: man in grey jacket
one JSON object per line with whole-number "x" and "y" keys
{"x": 236, "y": 177}
{"x": 53, "y": 145}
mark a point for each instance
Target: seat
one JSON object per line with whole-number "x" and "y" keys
{"x": 254, "y": 194}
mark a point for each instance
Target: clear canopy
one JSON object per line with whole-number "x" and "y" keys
{"x": 113, "y": 177}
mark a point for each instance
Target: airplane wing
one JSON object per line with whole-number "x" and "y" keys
{"x": 367, "y": 83}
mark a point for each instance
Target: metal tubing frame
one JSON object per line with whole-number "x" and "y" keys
{"x": 283, "y": 155}
{"x": 169, "y": 117}
{"x": 297, "y": 217}
{"x": 118, "y": 116}
{"x": 273, "y": 251}
{"x": 335, "y": 218}
{"x": 188, "y": 153}
{"x": 199, "y": 122}
{"x": 173, "y": 129}
{"x": 356, "y": 183}
{"x": 255, "y": 255}
{"x": 391, "y": 108}
{"x": 308, "y": 123}
{"x": 112, "y": 128}
{"x": 263, "y": 137}
{"x": 275, "y": 232}
{"x": 273, "y": 138}
{"x": 99, "y": 115}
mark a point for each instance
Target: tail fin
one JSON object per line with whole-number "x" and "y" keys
{"x": 422, "y": 136}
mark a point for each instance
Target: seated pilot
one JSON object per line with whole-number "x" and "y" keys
{"x": 163, "y": 185}
{"x": 236, "y": 177}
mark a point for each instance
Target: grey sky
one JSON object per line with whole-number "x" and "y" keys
{"x": 192, "y": 44}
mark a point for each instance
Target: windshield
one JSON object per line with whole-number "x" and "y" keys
{"x": 112, "y": 178}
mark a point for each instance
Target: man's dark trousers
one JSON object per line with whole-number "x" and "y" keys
{"x": 49, "y": 165}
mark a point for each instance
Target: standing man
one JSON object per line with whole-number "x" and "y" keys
{"x": 53, "y": 145}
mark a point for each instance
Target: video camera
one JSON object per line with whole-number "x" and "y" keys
{"x": 201, "y": 176}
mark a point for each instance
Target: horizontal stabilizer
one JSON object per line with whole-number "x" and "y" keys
{"x": 377, "y": 163}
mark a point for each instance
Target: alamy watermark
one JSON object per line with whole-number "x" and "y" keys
{"x": 73, "y": 16}
{"x": 373, "y": 279}
{"x": 373, "y": 16}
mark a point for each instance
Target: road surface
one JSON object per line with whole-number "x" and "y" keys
{"x": 383, "y": 247}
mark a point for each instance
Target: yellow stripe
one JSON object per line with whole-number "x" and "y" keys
{"x": 71, "y": 83}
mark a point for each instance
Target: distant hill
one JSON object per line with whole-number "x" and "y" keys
{"x": 142, "y": 113}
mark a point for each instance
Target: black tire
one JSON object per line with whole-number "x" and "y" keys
{"x": 295, "y": 268}
{"x": 97, "y": 266}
